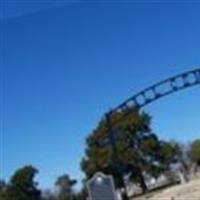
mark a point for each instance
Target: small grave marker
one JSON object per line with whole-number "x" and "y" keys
{"x": 101, "y": 187}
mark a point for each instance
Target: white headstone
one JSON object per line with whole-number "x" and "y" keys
{"x": 101, "y": 187}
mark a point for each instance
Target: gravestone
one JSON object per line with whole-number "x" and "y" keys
{"x": 101, "y": 187}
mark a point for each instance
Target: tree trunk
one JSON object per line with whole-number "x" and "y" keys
{"x": 124, "y": 194}
{"x": 142, "y": 183}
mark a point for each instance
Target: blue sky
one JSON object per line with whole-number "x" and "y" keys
{"x": 65, "y": 63}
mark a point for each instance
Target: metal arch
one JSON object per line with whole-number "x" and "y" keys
{"x": 147, "y": 96}
{"x": 161, "y": 89}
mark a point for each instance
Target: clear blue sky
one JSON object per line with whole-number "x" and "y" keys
{"x": 65, "y": 64}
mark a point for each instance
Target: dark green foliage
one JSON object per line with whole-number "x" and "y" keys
{"x": 65, "y": 185}
{"x": 82, "y": 195}
{"x": 195, "y": 152}
{"x": 2, "y": 184}
{"x": 3, "y": 187}
{"x": 137, "y": 149}
{"x": 171, "y": 152}
{"x": 22, "y": 185}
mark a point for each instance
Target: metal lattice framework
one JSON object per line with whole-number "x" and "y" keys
{"x": 150, "y": 94}
{"x": 161, "y": 89}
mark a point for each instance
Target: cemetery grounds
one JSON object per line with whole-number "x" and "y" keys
{"x": 186, "y": 191}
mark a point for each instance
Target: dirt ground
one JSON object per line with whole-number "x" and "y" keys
{"x": 187, "y": 191}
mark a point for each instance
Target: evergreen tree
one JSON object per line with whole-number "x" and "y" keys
{"x": 133, "y": 149}
{"x": 65, "y": 187}
{"x": 22, "y": 185}
{"x": 195, "y": 152}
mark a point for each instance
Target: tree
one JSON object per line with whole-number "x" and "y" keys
{"x": 195, "y": 152}
{"x": 171, "y": 152}
{"x": 2, "y": 184}
{"x": 22, "y": 185}
{"x": 82, "y": 195}
{"x": 133, "y": 150}
{"x": 2, "y": 189}
{"x": 65, "y": 190}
